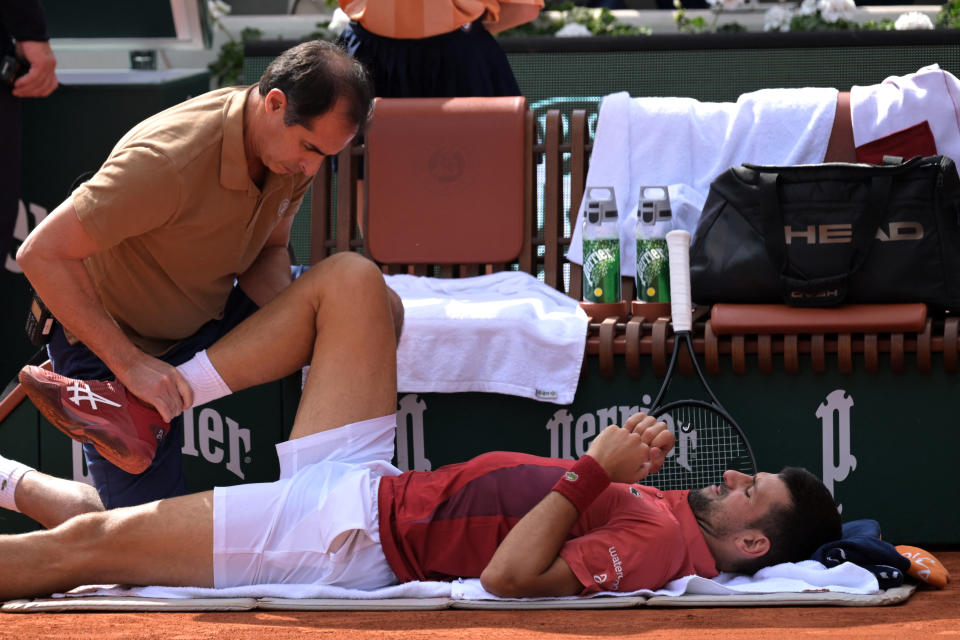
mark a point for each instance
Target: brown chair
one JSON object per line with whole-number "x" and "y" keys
{"x": 445, "y": 181}
{"x": 409, "y": 217}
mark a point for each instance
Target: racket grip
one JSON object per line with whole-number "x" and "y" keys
{"x": 678, "y": 246}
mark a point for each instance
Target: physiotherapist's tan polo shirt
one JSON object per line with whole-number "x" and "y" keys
{"x": 178, "y": 218}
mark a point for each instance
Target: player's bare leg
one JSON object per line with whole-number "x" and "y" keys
{"x": 340, "y": 318}
{"x": 50, "y": 500}
{"x": 168, "y": 542}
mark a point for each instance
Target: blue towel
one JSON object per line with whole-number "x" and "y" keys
{"x": 861, "y": 545}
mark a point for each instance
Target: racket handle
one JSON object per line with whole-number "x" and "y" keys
{"x": 678, "y": 246}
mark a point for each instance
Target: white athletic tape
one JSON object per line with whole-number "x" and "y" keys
{"x": 678, "y": 245}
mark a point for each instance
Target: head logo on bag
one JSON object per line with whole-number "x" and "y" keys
{"x": 843, "y": 233}
{"x": 832, "y": 233}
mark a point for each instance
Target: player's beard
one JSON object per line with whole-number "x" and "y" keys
{"x": 705, "y": 510}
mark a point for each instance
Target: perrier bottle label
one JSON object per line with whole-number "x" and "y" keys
{"x": 601, "y": 270}
{"x": 653, "y": 270}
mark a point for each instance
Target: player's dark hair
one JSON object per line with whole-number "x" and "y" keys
{"x": 797, "y": 530}
{"x": 313, "y": 76}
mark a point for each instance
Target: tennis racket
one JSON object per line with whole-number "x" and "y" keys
{"x": 709, "y": 441}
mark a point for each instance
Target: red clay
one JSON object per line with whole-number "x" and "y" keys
{"x": 928, "y": 614}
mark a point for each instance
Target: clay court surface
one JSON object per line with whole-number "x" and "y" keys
{"x": 928, "y": 614}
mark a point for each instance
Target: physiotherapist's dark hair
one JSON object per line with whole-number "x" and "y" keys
{"x": 313, "y": 76}
{"x": 797, "y": 530}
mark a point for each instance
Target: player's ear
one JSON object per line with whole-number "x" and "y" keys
{"x": 752, "y": 543}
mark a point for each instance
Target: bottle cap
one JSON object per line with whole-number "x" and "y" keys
{"x": 654, "y": 205}
{"x": 601, "y": 204}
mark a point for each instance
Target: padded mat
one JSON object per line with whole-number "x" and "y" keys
{"x": 129, "y": 603}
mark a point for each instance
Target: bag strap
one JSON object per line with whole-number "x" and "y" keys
{"x": 826, "y": 290}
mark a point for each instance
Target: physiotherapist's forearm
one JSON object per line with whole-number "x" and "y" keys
{"x": 267, "y": 276}
{"x": 66, "y": 289}
{"x": 52, "y": 259}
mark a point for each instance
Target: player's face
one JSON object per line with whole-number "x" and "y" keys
{"x": 738, "y": 501}
{"x": 297, "y": 149}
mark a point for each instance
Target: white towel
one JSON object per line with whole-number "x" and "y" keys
{"x": 684, "y": 144}
{"x": 404, "y": 590}
{"x": 899, "y": 102}
{"x": 505, "y": 332}
{"x": 808, "y": 575}
{"x": 789, "y": 577}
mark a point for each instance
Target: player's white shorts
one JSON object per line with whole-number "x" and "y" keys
{"x": 318, "y": 524}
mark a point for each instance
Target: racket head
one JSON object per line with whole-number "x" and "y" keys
{"x": 708, "y": 442}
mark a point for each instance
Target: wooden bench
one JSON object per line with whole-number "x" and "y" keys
{"x": 562, "y": 146}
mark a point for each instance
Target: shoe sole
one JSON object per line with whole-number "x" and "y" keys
{"x": 46, "y": 397}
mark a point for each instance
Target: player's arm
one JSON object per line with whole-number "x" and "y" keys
{"x": 270, "y": 272}
{"x": 527, "y": 563}
{"x": 52, "y": 259}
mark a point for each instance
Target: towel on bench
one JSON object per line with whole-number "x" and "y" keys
{"x": 684, "y": 144}
{"x": 505, "y": 332}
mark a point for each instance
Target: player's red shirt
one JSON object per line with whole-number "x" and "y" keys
{"x": 447, "y": 523}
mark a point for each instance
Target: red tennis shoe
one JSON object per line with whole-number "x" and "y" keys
{"x": 124, "y": 430}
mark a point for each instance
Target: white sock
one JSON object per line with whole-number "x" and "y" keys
{"x": 203, "y": 378}
{"x": 10, "y": 473}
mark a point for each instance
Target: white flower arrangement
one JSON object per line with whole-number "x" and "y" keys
{"x": 913, "y": 20}
{"x": 808, "y": 7}
{"x": 777, "y": 18}
{"x": 573, "y": 30}
{"x": 725, "y": 5}
{"x": 218, "y": 9}
{"x": 835, "y": 10}
{"x": 811, "y": 15}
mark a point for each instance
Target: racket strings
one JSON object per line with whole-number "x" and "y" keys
{"x": 707, "y": 444}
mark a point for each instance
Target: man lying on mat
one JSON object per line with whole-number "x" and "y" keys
{"x": 342, "y": 515}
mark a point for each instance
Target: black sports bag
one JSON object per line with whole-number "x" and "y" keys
{"x": 819, "y": 235}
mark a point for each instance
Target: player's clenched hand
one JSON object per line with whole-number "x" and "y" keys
{"x": 622, "y": 453}
{"x": 655, "y": 434}
{"x": 159, "y": 385}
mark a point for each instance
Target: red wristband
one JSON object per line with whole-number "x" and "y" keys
{"x": 581, "y": 485}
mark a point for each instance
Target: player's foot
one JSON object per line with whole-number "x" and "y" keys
{"x": 125, "y": 431}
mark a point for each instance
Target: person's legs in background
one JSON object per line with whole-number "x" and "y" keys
{"x": 10, "y": 171}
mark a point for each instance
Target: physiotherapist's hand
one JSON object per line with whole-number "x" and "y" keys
{"x": 41, "y": 79}
{"x": 159, "y": 385}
